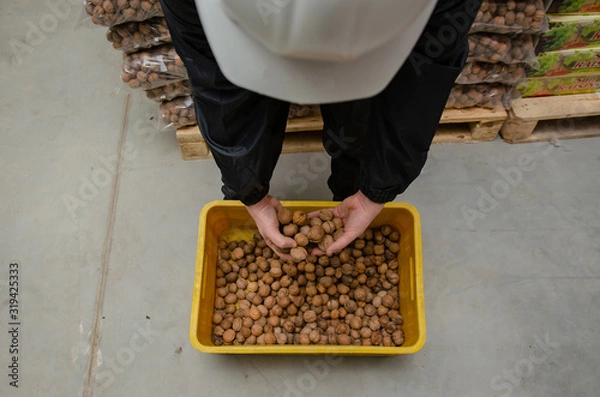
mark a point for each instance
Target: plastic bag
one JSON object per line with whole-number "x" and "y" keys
{"x": 522, "y": 16}
{"x": 482, "y": 72}
{"x": 303, "y": 111}
{"x": 153, "y": 68}
{"x": 490, "y": 96}
{"x": 178, "y": 112}
{"x": 485, "y": 47}
{"x": 132, "y": 36}
{"x": 114, "y": 12}
{"x": 169, "y": 91}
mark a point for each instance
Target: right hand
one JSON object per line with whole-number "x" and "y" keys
{"x": 264, "y": 214}
{"x": 357, "y": 212}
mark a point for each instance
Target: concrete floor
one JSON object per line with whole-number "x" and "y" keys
{"x": 512, "y": 284}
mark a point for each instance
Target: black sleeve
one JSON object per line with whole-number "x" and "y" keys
{"x": 244, "y": 130}
{"x": 404, "y": 117}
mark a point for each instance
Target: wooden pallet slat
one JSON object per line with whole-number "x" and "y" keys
{"x": 523, "y": 123}
{"x": 304, "y": 134}
{"x": 311, "y": 123}
{"x": 481, "y": 125}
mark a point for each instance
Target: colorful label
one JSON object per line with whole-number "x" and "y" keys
{"x": 561, "y": 63}
{"x": 574, "y": 6}
{"x": 570, "y": 32}
{"x": 546, "y": 86}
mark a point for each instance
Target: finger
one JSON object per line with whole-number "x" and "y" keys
{"x": 317, "y": 252}
{"x": 286, "y": 257}
{"x": 275, "y": 203}
{"x": 282, "y": 255}
{"x": 313, "y": 214}
{"x": 340, "y": 211}
{"x": 283, "y": 250}
{"x": 341, "y": 242}
{"x": 280, "y": 240}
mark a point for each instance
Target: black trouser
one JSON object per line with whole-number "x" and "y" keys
{"x": 378, "y": 145}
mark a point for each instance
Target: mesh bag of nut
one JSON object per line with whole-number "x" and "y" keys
{"x": 178, "y": 112}
{"x": 114, "y": 12}
{"x": 303, "y": 111}
{"x": 512, "y": 16}
{"x": 153, "y": 68}
{"x": 492, "y": 96}
{"x": 169, "y": 91}
{"x": 483, "y": 72}
{"x": 347, "y": 299}
{"x": 132, "y": 36}
{"x": 486, "y": 47}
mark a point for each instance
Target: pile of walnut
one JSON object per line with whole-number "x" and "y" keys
{"x": 500, "y": 48}
{"x": 153, "y": 68}
{"x": 346, "y": 299}
{"x": 132, "y": 36}
{"x": 303, "y": 111}
{"x": 114, "y": 12}
{"x": 510, "y": 16}
{"x": 169, "y": 91}
{"x": 483, "y": 72}
{"x": 491, "y": 96}
{"x": 178, "y": 112}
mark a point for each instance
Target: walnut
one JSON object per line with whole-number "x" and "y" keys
{"x": 325, "y": 215}
{"x": 284, "y": 216}
{"x": 326, "y": 242}
{"x": 299, "y": 218}
{"x": 310, "y": 316}
{"x": 301, "y": 239}
{"x": 290, "y": 229}
{"x": 298, "y": 253}
{"x": 316, "y": 234}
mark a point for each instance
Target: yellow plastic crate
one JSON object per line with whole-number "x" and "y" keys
{"x": 230, "y": 220}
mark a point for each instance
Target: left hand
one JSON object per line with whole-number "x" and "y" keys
{"x": 357, "y": 212}
{"x": 264, "y": 214}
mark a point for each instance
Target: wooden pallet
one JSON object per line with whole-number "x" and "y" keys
{"x": 304, "y": 134}
{"x": 552, "y": 118}
{"x": 469, "y": 125}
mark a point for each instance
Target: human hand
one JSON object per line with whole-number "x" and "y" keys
{"x": 264, "y": 214}
{"x": 357, "y": 212}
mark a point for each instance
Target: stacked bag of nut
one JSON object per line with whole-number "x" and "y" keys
{"x": 150, "y": 63}
{"x": 568, "y": 53}
{"x": 298, "y": 111}
{"x": 501, "y": 47}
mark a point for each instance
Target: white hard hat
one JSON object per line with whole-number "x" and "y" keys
{"x": 313, "y": 51}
